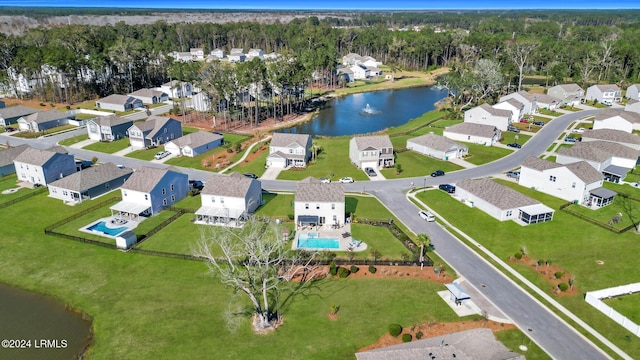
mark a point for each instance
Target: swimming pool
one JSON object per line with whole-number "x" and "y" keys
{"x": 102, "y": 227}
{"x": 311, "y": 242}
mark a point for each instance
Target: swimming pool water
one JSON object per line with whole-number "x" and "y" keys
{"x": 101, "y": 227}
{"x": 305, "y": 242}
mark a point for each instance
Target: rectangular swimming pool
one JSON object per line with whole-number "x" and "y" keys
{"x": 306, "y": 242}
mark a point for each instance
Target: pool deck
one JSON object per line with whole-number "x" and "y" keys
{"x": 112, "y": 222}
{"x": 342, "y": 233}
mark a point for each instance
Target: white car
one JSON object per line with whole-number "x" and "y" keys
{"x": 346, "y": 180}
{"x": 578, "y": 131}
{"x": 161, "y": 155}
{"x": 427, "y": 215}
{"x": 325, "y": 181}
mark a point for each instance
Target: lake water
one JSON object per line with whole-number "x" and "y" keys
{"x": 347, "y": 115}
{"x": 45, "y": 328}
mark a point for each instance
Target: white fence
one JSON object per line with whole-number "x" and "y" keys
{"x": 593, "y": 298}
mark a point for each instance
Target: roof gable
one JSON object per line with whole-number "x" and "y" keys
{"x": 373, "y": 142}
{"x": 232, "y": 185}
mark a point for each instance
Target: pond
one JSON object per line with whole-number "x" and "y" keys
{"x": 40, "y": 326}
{"x": 370, "y": 112}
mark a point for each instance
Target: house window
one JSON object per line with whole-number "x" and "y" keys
{"x": 124, "y": 193}
{"x": 164, "y": 191}
{"x": 165, "y": 131}
{"x": 65, "y": 193}
{"x": 173, "y": 198}
{"x": 172, "y": 187}
{"x": 21, "y": 167}
{"x": 164, "y": 202}
{"x": 509, "y": 212}
{"x": 221, "y": 200}
{"x": 573, "y": 185}
{"x": 468, "y": 137}
{"x": 290, "y": 151}
{"x": 317, "y": 206}
{"x": 27, "y": 167}
{"x": 306, "y": 206}
{"x": 213, "y": 200}
{"x": 146, "y": 196}
{"x": 333, "y": 206}
{"x": 552, "y": 178}
{"x": 106, "y": 185}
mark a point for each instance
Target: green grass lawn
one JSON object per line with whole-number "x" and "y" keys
{"x": 256, "y": 166}
{"x": 479, "y": 154}
{"x": 108, "y": 147}
{"x": 549, "y": 112}
{"x": 73, "y": 140}
{"x": 179, "y": 237}
{"x": 380, "y": 239}
{"x": 415, "y": 164}
{"x": 510, "y": 137}
{"x": 627, "y": 305}
{"x": 512, "y": 339}
{"x": 9, "y": 182}
{"x": 145, "y": 154}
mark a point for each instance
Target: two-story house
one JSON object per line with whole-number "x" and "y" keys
{"x": 605, "y": 94}
{"x": 633, "y": 92}
{"x": 7, "y": 156}
{"x": 567, "y": 94}
{"x": 513, "y": 105}
{"x": 229, "y": 200}
{"x": 236, "y": 55}
{"x": 617, "y": 136}
{"x": 318, "y": 204}
{"x": 371, "y": 151}
{"x": 89, "y": 183}
{"x": 11, "y": 114}
{"x": 149, "y": 190}
{"x": 108, "y": 128}
{"x": 255, "y": 53}
{"x": 41, "y": 167}
{"x": 529, "y": 101}
{"x": 217, "y": 53}
{"x": 486, "y": 114}
{"x": 286, "y": 149}
{"x": 177, "y": 89}
{"x": 194, "y": 144}
{"x": 150, "y": 96}
{"x": 118, "y": 102}
{"x": 43, "y": 120}
{"x": 611, "y": 159}
{"x": 360, "y": 72}
{"x": 156, "y": 130}
{"x": 617, "y": 119}
{"x": 547, "y": 102}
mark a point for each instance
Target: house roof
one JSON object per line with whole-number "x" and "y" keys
{"x": 112, "y": 120}
{"x": 603, "y": 193}
{"x": 569, "y": 87}
{"x": 607, "y": 87}
{"x": 618, "y": 136}
{"x": 585, "y": 172}
{"x": 533, "y": 162}
{"x": 46, "y": 116}
{"x": 467, "y": 128}
{"x": 514, "y": 102}
{"x": 546, "y": 99}
{"x": 501, "y": 196}
{"x": 116, "y": 99}
{"x": 436, "y": 142}
{"x": 91, "y": 177}
{"x": 495, "y": 111}
{"x": 345, "y": 70}
{"x": 311, "y": 190}
{"x": 196, "y": 139}
{"x": 148, "y": 93}
{"x": 144, "y": 178}
{"x": 36, "y": 157}
{"x": 527, "y": 96}
{"x": 8, "y": 155}
{"x": 232, "y": 185}
{"x": 373, "y": 142}
{"x": 288, "y": 139}
{"x": 630, "y": 116}
{"x": 475, "y": 344}
{"x": 16, "y": 111}
{"x": 636, "y": 86}
{"x": 599, "y": 151}
{"x": 236, "y": 51}
{"x": 174, "y": 83}
{"x": 153, "y": 124}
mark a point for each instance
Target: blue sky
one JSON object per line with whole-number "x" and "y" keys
{"x": 335, "y": 4}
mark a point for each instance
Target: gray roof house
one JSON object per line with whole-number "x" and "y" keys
{"x": 118, "y": 102}
{"x": 150, "y": 96}
{"x": 89, "y": 183}
{"x": 286, "y": 149}
{"x": 177, "y": 89}
{"x": 567, "y": 94}
{"x": 194, "y": 144}
{"x": 617, "y": 136}
{"x": 617, "y": 119}
{"x": 529, "y": 101}
{"x": 547, "y": 102}
{"x": 155, "y": 131}
{"x": 437, "y": 146}
{"x": 486, "y": 135}
{"x": 228, "y": 200}
{"x": 108, "y": 128}
{"x": 486, "y": 114}
{"x": 502, "y": 202}
{"x": 633, "y": 92}
{"x": 612, "y": 159}
{"x": 7, "y": 156}
{"x": 41, "y": 167}
{"x": 43, "y": 120}
{"x": 633, "y": 106}
{"x": 605, "y": 94}
{"x": 371, "y": 151}
{"x": 11, "y": 114}
{"x": 317, "y": 203}
{"x": 513, "y": 105}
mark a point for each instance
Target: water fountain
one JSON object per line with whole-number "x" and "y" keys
{"x": 369, "y": 111}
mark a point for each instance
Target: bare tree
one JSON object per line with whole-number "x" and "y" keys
{"x": 586, "y": 68}
{"x": 519, "y": 53}
{"x": 605, "y": 60}
{"x": 255, "y": 261}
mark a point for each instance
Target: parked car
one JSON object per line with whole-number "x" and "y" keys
{"x": 325, "y": 180}
{"x": 570, "y": 139}
{"x": 346, "y": 180}
{"x": 251, "y": 175}
{"x": 427, "y": 215}
{"x": 538, "y": 123}
{"x": 514, "y": 145}
{"x": 161, "y": 155}
{"x": 437, "y": 173}
{"x": 513, "y": 129}
{"x": 578, "y": 131}
{"x": 524, "y": 121}
{"x": 10, "y": 129}
{"x": 370, "y": 171}
{"x": 513, "y": 174}
{"x": 196, "y": 184}
{"x": 448, "y": 188}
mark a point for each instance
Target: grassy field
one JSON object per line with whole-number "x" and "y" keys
{"x": 415, "y": 164}
{"x": 73, "y": 140}
{"x": 145, "y": 154}
{"x": 109, "y": 147}
{"x": 627, "y": 305}
{"x": 510, "y": 137}
{"x": 480, "y": 154}
{"x": 9, "y": 182}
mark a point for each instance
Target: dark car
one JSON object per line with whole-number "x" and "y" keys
{"x": 514, "y": 145}
{"x": 538, "y": 123}
{"x": 513, "y": 129}
{"x": 570, "y": 139}
{"x": 10, "y": 129}
{"x": 370, "y": 171}
{"x": 448, "y": 188}
{"x": 437, "y": 173}
{"x": 251, "y": 175}
{"x": 196, "y": 184}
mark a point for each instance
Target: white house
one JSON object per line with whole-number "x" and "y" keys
{"x": 236, "y": 55}
{"x": 228, "y": 199}
{"x": 617, "y": 136}
{"x": 177, "y": 89}
{"x": 200, "y": 102}
{"x": 41, "y": 167}
{"x": 149, "y": 190}
{"x": 513, "y": 105}
{"x": 604, "y": 94}
{"x": 486, "y": 135}
{"x": 351, "y": 59}
{"x": 360, "y": 72}
{"x": 43, "y": 120}
{"x": 528, "y": 100}
{"x": 218, "y": 53}
{"x": 346, "y": 73}
{"x": 156, "y": 130}
{"x": 612, "y": 159}
{"x": 371, "y": 151}
{"x": 198, "y": 53}
{"x": 547, "y": 102}
{"x": 150, "y": 96}
{"x": 633, "y": 92}
{"x": 11, "y": 114}
{"x": 485, "y": 114}
{"x": 119, "y": 103}
{"x": 194, "y": 144}
{"x": 89, "y": 183}
{"x": 633, "y": 106}
{"x": 617, "y": 119}
{"x": 575, "y": 182}
{"x": 502, "y": 202}
{"x": 567, "y": 94}
{"x": 108, "y": 128}
{"x": 437, "y": 146}
{"x": 318, "y": 204}
{"x": 6, "y": 159}
{"x": 287, "y": 149}
{"x": 255, "y": 53}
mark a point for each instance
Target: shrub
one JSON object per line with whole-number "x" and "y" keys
{"x": 518, "y": 255}
{"x": 354, "y": 269}
{"x": 563, "y": 286}
{"x": 343, "y": 272}
{"x": 540, "y": 262}
{"x": 43, "y": 104}
{"x": 94, "y": 159}
{"x": 333, "y": 270}
{"x": 194, "y": 192}
{"x": 406, "y": 337}
{"x": 395, "y": 329}
{"x": 419, "y": 335}
{"x": 68, "y": 107}
{"x": 290, "y": 216}
{"x": 229, "y": 150}
{"x": 372, "y": 269}
{"x": 559, "y": 274}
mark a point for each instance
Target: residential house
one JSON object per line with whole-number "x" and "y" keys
{"x": 41, "y": 167}
{"x": 255, "y": 53}
{"x": 612, "y": 159}
{"x": 604, "y": 94}
{"x": 617, "y": 136}
{"x": 486, "y": 135}
{"x": 6, "y": 159}
{"x": 228, "y": 199}
{"x": 360, "y": 72}
{"x": 528, "y": 100}
{"x": 371, "y": 151}
{"x": 200, "y": 102}
{"x": 89, "y": 183}
{"x": 43, "y": 120}
{"x": 567, "y": 94}
{"x": 485, "y": 114}
{"x": 346, "y": 73}
{"x": 633, "y": 92}
{"x": 177, "y": 89}
{"x": 182, "y": 56}
{"x": 617, "y": 119}
{"x": 286, "y": 149}
{"x": 155, "y": 131}
{"x": 218, "y": 53}
{"x": 351, "y": 59}
{"x": 236, "y": 55}
{"x": 317, "y": 204}
{"x": 502, "y": 202}
{"x": 437, "y": 146}
{"x": 194, "y": 144}
{"x": 149, "y": 190}
{"x": 120, "y": 103}
{"x": 150, "y": 96}
{"x": 374, "y": 71}
{"x": 633, "y": 106}
{"x": 11, "y": 114}
{"x": 108, "y": 128}
{"x": 547, "y": 102}
{"x": 197, "y": 53}
{"x": 577, "y": 182}
{"x": 513, "y": 105}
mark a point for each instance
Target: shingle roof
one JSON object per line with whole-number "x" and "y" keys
{"x": 599, "y": 151}
{"x": 311, "y": 190}
{"x": 618, "y": 136}
{"x": 46, "y": 116}
{"x": 373, "y": 142}
{"x": 112, "y": 120}
{"x": 501, "y": 196}
{"x": 91, "y": 177}
{"x": 637, "y": 86}
{"x": 147, "y": 93}
{"x": 630, "y": 116}
{"x": 36, "y": 157}
{"x": 514, "y": 102}
{"x": 8, "y": 155}
{"x": 540, "y": 164}
{"x": 526, "y": 95}
{"x": 570, "y": 87}
{"x": 436, "y": 142}
{"x": 585, "y": 172}
{"x": 232, "y": 185}
{"x": 116, "y": 99}
{"x": 467, "y": 128}
{"x": 546, "y": 99}
{"x": 144, "y": 179}
{"x": 196, "y": 139}
{"x": 153, "y": 124}
{"x": 494, "y": 111}
{"x": 607, "y": 87}
{"x": 237, "y": 51}
{"x": 16, "y": 111}
{"x": 287, "y": 139}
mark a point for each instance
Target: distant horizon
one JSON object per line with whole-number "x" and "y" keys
{"x": 362, "y": 5}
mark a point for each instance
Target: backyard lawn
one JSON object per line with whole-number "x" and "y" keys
{"x": 480, "y": 154}
{"x": 627, "y": 305}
